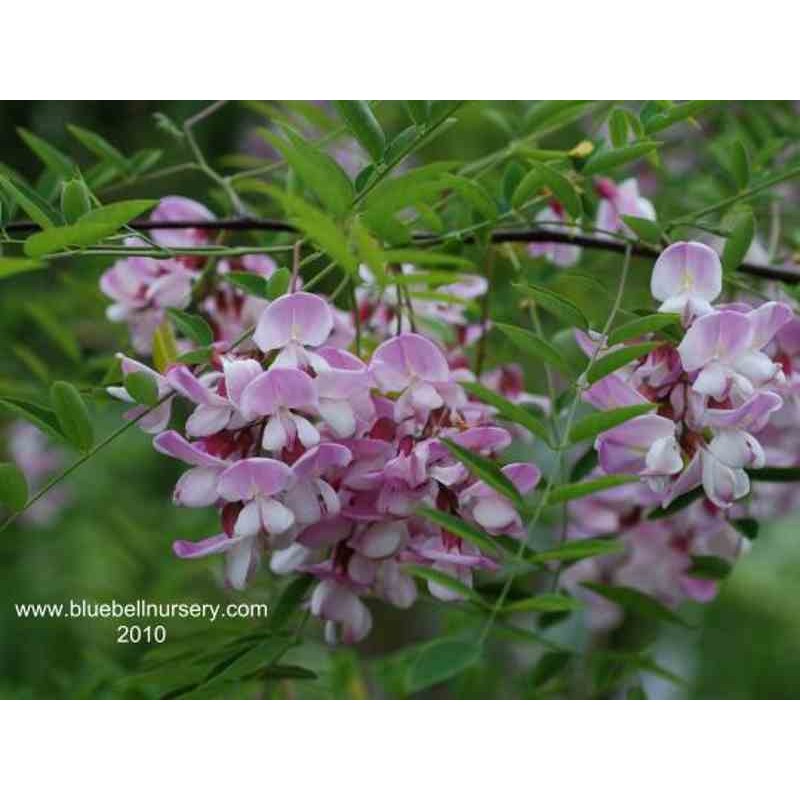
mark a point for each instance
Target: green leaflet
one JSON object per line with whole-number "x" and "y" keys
{"x": 572, "y": 491}
{"x": 91, "y": 228}
{"x": 13, "y": 487}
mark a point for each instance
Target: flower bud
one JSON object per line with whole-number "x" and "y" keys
{"x": 75, "y": 200}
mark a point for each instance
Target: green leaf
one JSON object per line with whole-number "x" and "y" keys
{"x": 636, "y": 602}
{"x": 473, "y": 193}
{"x": 14, "y": 266}
{"x": 248, "y": 282}
{"x": 605, "y": 160}
{"x": 91, "y": 228}
{"x": 618, "y": 358}
{"x": 417, "y": 185}
{"x": 747, "y": 526}
{"x": 142, "y": 388}
{"x": 542, "y": 604}
{"x": 31, "y": 204}
{"x": 428, "y": 257}
{"x": 261, "y": 656}
{"x": 486, "y": 470}
{"x": 677, "y": 113}
{"x": 446, "y": 580}
{"x": 572, "y": 491}
{"x": 593, "y": 424}
{"x": 710, "y": 568}
{"x": 101, "y": 148}
{"x": 323, "y": 230}
{"x": 641, "y": 327}
{"x": 192, "y": 326}
{"x": 290, "y": 599}
{"x": 645, "y": 229}
{"x": 418, "y": 110}
{"x": 584, "y": 465}
{"x": 536, "y": 346}
{"x": 316, "y": 169}
{"x": 43, "y": 418}
{"x": 549, "y": 115}
{"x": 548, "y": 666}
{"x": 360, "y": 120}
{"x": 775, "y": 474}
{"x": 278, "y": 283}
{"x": 739, "y": 239}
{"x": 618, "y": 127}
{"x": 201, "y": 355}
{"x": 13, "y": 487}
{"x": 53, "y": 159}
{"x": 457, "y": 526}
{"x": 578, "y": 549}
{"x": 527, "y": 188}
{"x": 508, "y": 410}
{"x": 562, "y": 189}
{"x": 440, "y": 660}
{"x": 739, "y": 165}
{"x": 558, "y": 305}
{"x": 677, "y": 504}
{"x": 73, "y": 416}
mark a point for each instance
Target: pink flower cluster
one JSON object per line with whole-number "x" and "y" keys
{"x": 142, "y": 288}
{"x": 722, "y": 394}
{"x": 319, "y": 461}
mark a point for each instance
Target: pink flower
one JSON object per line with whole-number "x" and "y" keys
{"x": 644, "y": 446}
{"x": 413, "y": 366}
{"x": 218, "y": 396}
{"x": 197, "y": 487}
{"x": 493, "y": 511}
{"x": 348, "y": 619}
{"x": 725, "y": 347}
{"x": 291, "y": 324}
{"x": 620, "y": 200}
{"x": 284, "y": 395}
{"x": 562, "y": 255}
{"x": 180, "y": 209}
{"x": 687, "y": 277}
{"x": 311, "y": 498}
{"x": 344, "y": 389}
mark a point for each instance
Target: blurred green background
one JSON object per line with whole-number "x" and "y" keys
{"x": 111, "y": 538}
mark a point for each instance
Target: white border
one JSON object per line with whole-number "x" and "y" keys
{"x": 388, "y": 750}
{"x": 627, "y": 49}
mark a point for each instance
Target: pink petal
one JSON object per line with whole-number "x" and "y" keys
{"x": 197, "y": 487}
{"x": 397, "y": 362}
{"x": 183, "y": 380}
{"x": 279, "y": 387}
{"x": 300, "y": 317}
{"x": 721, "y": 334}
{"x": 239, "y": 373}
{"x": 767, "y": 320}
{"x": 687, "y": 268}
{"x": 214, "y": 544}
{"x": 254, "y": 476}
{"x": 171, "y": 443}
{"x": 316, "y": 462}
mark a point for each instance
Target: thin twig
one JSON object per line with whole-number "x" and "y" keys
{"x": 511, "y": 235}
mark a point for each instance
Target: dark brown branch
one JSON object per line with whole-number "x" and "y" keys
{"x": 527, "y": 235}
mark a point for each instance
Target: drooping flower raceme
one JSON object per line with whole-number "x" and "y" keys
{"x": 321, "y": 460}
{"x": 719, "y": 392}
